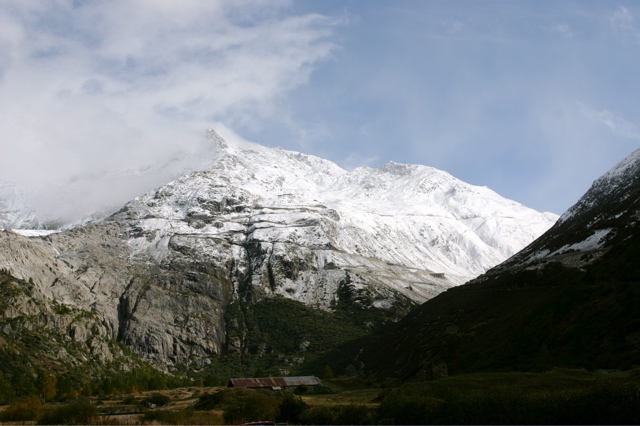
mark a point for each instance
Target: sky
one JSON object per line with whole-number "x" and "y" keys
{"x": 101, "y": 101}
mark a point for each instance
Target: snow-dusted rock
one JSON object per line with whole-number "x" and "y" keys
{"x": 298, "y": 224}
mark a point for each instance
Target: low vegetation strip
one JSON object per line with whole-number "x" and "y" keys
{"x": 605, "y": 402}
{"x": 555, "y": 397}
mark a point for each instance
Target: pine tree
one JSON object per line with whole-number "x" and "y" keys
{"x": 327, "y": 374}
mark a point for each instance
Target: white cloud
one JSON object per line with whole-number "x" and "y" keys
{"x": 622, "y": 19}
{"x": 454, "y": 26}
{"x": 115, "y": 87}
{"x": 563, "y": 29}
{"x": 614, "y": 122}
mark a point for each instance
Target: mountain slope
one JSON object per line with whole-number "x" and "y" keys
{"x": 162, "y": 273}
{"x": 605, "y": 216}
{"x": 570, "y": 298}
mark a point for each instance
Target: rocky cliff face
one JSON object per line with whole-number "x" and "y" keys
{"x": 36, "y": 327}
{"x": 160, "y": 273}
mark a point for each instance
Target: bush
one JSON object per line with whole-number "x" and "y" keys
{"x": 157, "y": 400}
{"x": 354, "y": 415}
{"x": 75, "y": 413}
{"x": 130, "y": 400}
{"x": 218, "y": 400}
{"x": 253, "y": 407}
{"x": 27, "y": 409}
{"x": 291, "y": 408}
{"x": 319, "y": 415}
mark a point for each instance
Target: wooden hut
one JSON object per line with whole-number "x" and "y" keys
{"x": 275, "y": 383}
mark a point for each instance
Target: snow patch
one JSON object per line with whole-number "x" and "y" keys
{"x": 593, "y": 242}
{"x": 33, "y": 232}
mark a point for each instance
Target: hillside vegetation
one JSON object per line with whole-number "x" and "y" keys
{"x": 524, "y": 320}
{"x": 278, "y": 336}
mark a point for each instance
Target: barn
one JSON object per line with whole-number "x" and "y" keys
{"x": 276, "y": 383}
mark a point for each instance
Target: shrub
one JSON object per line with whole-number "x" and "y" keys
{"x": 354, "y": 415}
{"x": 80, "y": 411}
{"x": 327, "y": 374}
{"x": 130, "y": 400}
{"x": 253, "y": 407}
{"x": 219, "y": 399}
{"x": 27, "y": 409}
{"x": 157, "y": 400}
{"x": 291, "y": 408}
{"x": 319, "y": 415}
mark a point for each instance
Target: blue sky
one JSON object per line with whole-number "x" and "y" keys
{"x": 534, "y": 99}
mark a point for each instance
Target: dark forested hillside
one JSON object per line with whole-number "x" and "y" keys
{"x": 570, "y": 299}
{"x": 524, "y": 320}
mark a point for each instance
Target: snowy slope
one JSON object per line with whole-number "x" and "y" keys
{"x": 605, "y": 215}
{"x": 405, "y": 229}
{"x": 15, "y": 209}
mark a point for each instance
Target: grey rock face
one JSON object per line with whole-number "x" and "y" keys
{"x": 31, "y": 321}
{"x": 167, "y": 313}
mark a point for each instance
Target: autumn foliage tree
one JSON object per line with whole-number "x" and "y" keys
{"x": 47, "y": 386}
{"x": 25, "y": 410}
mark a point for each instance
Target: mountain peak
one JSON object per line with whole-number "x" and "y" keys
{"x": 408, "y": 215}
{"x": 618, "y": 180}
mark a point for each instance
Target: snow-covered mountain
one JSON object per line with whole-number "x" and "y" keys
{"x": 409, "y": 228}
{"x": 161, "y": 273}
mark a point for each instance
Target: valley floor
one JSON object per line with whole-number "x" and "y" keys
{"x": 561, "y": 396}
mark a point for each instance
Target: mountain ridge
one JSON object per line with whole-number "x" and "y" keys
{"x": 588, "y": 225}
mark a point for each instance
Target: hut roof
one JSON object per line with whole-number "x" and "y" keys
{"x": 271, "y": 382}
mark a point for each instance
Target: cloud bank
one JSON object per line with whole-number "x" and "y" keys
{"x": 101, "y": 101}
